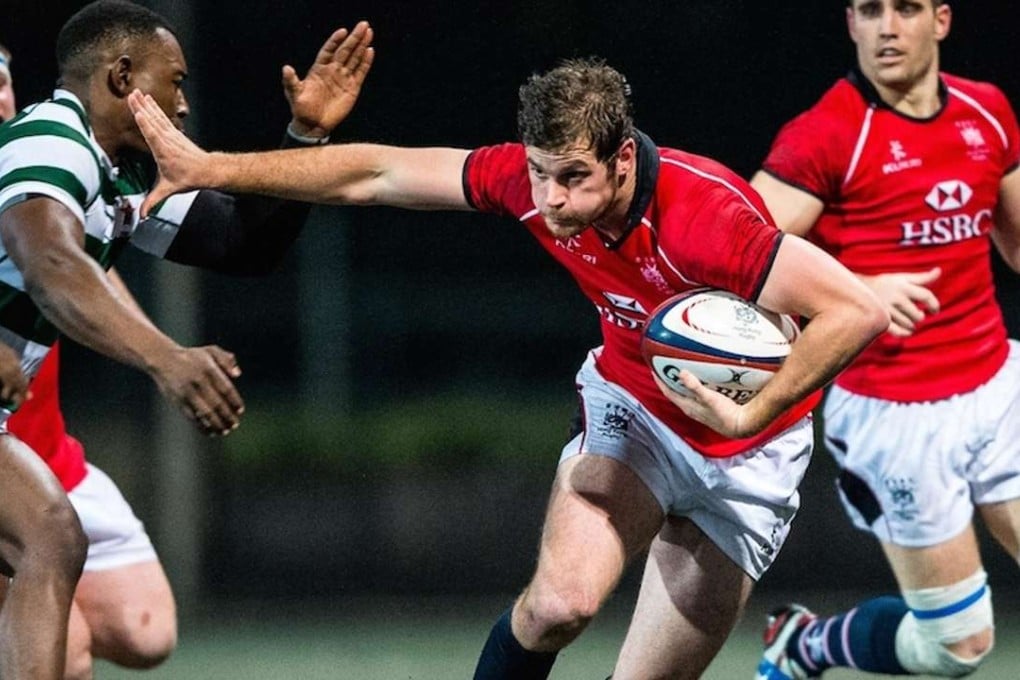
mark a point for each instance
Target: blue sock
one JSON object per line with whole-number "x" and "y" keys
{"x": 863, "y": 638}
{"x": 503, "y": 658}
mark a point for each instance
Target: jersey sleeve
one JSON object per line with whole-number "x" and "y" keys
{"x": 728, "y": 242}
{"x": 496, "y": 179}
{"x": 797, "y": 158}
{"x": 42, "y": 154}
{"x": 1007, "y": 117}
{"x": 158, "y": 230}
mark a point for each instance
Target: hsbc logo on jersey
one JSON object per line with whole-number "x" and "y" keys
{"x": 622, "y": 310}
{"x": 951, "y": 197}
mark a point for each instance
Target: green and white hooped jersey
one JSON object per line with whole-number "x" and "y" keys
{"x": 49, "y": 150}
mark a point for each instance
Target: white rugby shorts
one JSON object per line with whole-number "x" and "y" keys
{"x": 912, "y": 472}
{"x": 743, "y": 503}
{"x": 116, "y": 537}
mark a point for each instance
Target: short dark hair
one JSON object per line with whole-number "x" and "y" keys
{"x": 6, "y": 53}
{"x": 98, "y": 25}
{"x": 579, "y": 100}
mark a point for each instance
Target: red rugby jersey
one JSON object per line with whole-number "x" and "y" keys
{"x": 904, "y": 195}
{"x": 40, "y": 424}
{"x": 692, "y": 223}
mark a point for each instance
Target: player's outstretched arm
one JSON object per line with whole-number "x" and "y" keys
{"x": 248, "y": 234}
{"x": 45, "y": 241}
{"x": 360, "y": 174}
{"x": 326, "y": 95}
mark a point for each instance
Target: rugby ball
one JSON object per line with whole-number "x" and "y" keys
{"x": 731, "y": 345}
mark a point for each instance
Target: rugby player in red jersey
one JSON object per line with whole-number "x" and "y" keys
{"x": 708, "y": 485}
{"x": 908, "y": 176}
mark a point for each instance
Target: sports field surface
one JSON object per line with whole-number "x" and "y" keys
{"x": 417, "y": 638}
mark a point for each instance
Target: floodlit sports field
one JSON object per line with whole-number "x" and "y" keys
{"x": 438, "y": 639}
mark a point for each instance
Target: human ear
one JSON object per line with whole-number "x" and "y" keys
{"x": 119, "y": 77}
{"x": 625, "y": 159}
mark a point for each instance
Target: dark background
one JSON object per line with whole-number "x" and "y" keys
{"x": 377, "y": 309}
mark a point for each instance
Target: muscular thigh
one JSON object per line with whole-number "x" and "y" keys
{"x": 691, "y": 596}
{"x": 704, "y": 585}
{"x": 33, "y": 502}
{"x": 600, "y": 514}
{"x": 942, "y": 564}
{"x": 1003, "y": 521}
{"x": 134, "y": 595}
{"x": 130, "y": 614}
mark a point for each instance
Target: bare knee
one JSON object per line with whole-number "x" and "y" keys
{"x": 552, "y": 617}
{"x": 949, "y": 630}
{"x": 137, "y": 637}
{"x": 151, "y": 646}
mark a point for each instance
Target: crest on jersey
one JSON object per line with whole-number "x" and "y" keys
{"x": 650, "y": 271}
{"x": 977, "y": 148}
{"x": 949, "y": 195}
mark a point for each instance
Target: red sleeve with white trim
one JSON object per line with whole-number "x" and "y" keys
{"x": 496, "y": 179}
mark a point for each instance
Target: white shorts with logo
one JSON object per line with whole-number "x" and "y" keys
{"x": 743, "y": 503}
{"x": 116, "y": 537}
{"x": 912, "y": 472}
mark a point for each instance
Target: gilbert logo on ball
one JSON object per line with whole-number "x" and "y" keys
{"x": 731, "y": 345}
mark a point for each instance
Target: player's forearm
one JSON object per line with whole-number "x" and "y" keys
{"x": 826, "y": 346}
{"x": 1006, "y": 230}
{"x": 1007, "y": 242}
{"x": 329, "y": 174}
{"x": 77, "y": 298}
{"x": 118, "y": 285}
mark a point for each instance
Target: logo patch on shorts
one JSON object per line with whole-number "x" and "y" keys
{"x": 615, "y": 422}
{"x": 901, "y": 492}
{"x": 770, "y": 547}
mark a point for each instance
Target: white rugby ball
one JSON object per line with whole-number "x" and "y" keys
{"x": 731, "y": 345}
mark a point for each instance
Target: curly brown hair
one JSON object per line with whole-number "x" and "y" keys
{"x": 580, "y": 101}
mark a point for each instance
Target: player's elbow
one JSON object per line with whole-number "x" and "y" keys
{"x": 370, "y": 190}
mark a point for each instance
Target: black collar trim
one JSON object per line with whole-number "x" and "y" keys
{"x": 870, "y": 94}
{"x": 644, "y": 188}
